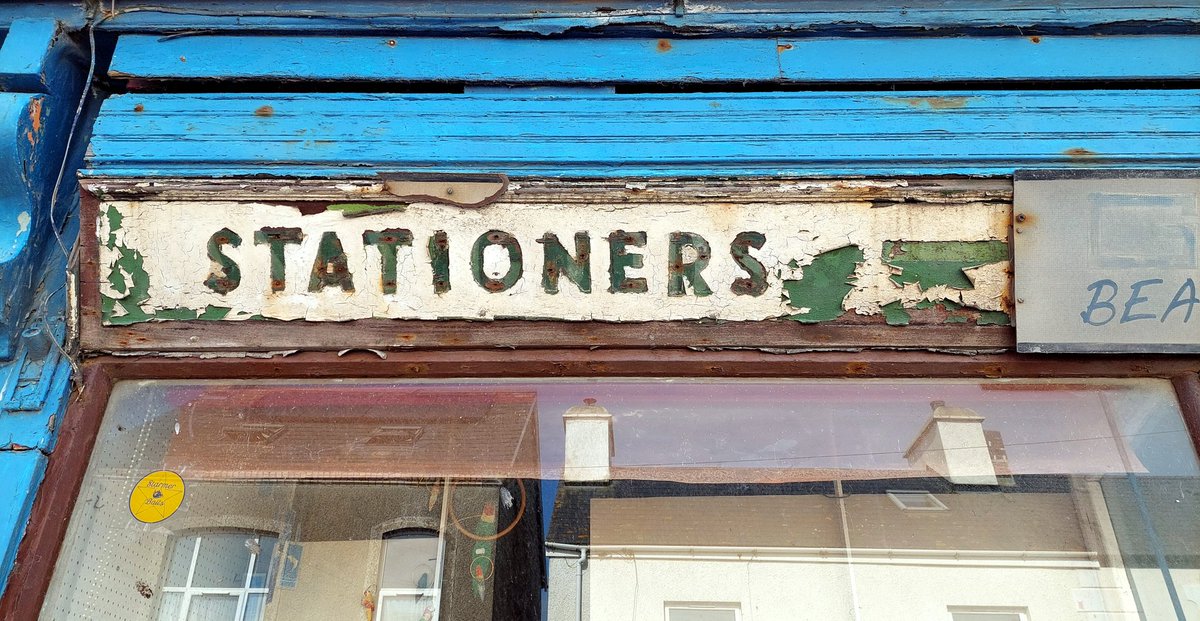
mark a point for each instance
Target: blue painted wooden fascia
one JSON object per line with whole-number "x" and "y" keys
{"x": 35, "y": 384}
{"x": 20, "y": 475}
{"x": 70, "y": 13}
{"x": 37, "y": 57}
{"x": 811, "y": 16}
{"x": 655, "y": 135}
{"x": 627, "y": 60}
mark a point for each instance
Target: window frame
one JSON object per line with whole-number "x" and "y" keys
{"x": 435, "y": 590}
{"x": 897, "y": 498}
{"x": 734, "y": 607}
{"x": 52, "y": 509}
{"x": 1021, "y": 612}
{"x": 242, "y": 593}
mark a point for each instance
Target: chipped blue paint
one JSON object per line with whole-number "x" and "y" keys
{"x": 40, "y": 70}
{"x": 40, "y": 73}
{"x": 629, "y": 60}
{"x": 20, "y": 474}
{"x": 753, "y": 16}
{"x": 593, "y": 135}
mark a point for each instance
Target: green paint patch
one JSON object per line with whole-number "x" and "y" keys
{"x": 135, "y": 290}
{"x": 993, "y": 318}
{"x": 175, "y": 314}
{"x": 356, "y": 210}
{"x": 825, "y": 284}
{"x": 895, "y": 315}
{"x": 929, "y": 264}
{"x": 114, "y": 224}
{"x": 214, "y": 313}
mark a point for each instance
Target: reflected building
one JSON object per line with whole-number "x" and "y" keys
{"x": 957, "y": 536}
{"x": 403, "y": 510}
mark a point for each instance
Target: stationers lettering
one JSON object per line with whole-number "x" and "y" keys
{"x": 688, "y": 254}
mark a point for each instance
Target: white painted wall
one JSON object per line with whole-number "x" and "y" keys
{"x": 630, "y": 586}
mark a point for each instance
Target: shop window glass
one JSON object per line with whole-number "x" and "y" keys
{"x": 216, "y": 576}
{"x": 634, "y": 498}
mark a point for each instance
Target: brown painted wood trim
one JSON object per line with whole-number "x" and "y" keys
{"x": 509, "y": 334}
{"x": 644, "y": 363}
{"x": 88, "y": 269}
{"x": 56, "y": 496}
{"x": 1187, "y": 390}
{"x": 557, "y": 191}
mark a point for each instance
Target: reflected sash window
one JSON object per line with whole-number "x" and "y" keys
{"x": 410, "y": 576}
{"x": 217, "y": 576}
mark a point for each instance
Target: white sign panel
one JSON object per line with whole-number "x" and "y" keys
{"x": 236, "y": 260}
{"x": 1107, "y": 264}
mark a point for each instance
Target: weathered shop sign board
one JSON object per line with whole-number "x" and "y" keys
{"x": 607, "y": 261}
{"x": 1107, "y": 261}
{"x": 853, "y": 253}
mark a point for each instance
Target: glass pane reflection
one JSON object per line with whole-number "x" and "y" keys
{"x": 640, "y": 499}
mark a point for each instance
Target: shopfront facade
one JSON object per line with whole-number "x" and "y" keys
{"x": 629, "y": 312}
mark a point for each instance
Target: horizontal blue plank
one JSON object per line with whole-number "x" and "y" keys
{"x": 594, "y": 134}
{"x": 723, "y": 17}
{"x": 446, "y": 59}
{"x": 20, "y": 474}
{"x": 38, "y": 57}
{"x": 508, "y": 60}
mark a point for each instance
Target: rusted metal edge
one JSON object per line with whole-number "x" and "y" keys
{"x": 746, "y": 190}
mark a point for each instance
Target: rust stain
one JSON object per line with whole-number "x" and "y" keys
{"x": 183, "y": 59}
{"x": 35, "y": 121}
{"x": 391, "y": 43}
{"x": 857, "y": 368}
{"x": 664, "y": 45}
{"x": 1035, "y": 39}
{"x": 35, "y": 114}
{"x": 1079, "y": 152}
{"x": 1006, "y": 302}
{"x": 264, "y": 111}
{"x": 933, "y": 103}
{"x": 138, "y": 108}
{"x": 783, "y": 47}
{"x": 715, "y": 104}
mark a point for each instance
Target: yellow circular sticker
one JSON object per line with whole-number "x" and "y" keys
{"x": 156, "y": 497}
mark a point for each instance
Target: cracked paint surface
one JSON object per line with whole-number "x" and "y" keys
{"x": 810, "y": 262}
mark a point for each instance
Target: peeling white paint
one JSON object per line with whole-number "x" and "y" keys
{"x": 172, "y": 238}
{"x": 23, "y": 221}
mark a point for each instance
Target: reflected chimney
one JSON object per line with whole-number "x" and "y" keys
{"x": 589, "y": 443}
{"x": 953, "y": 444}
